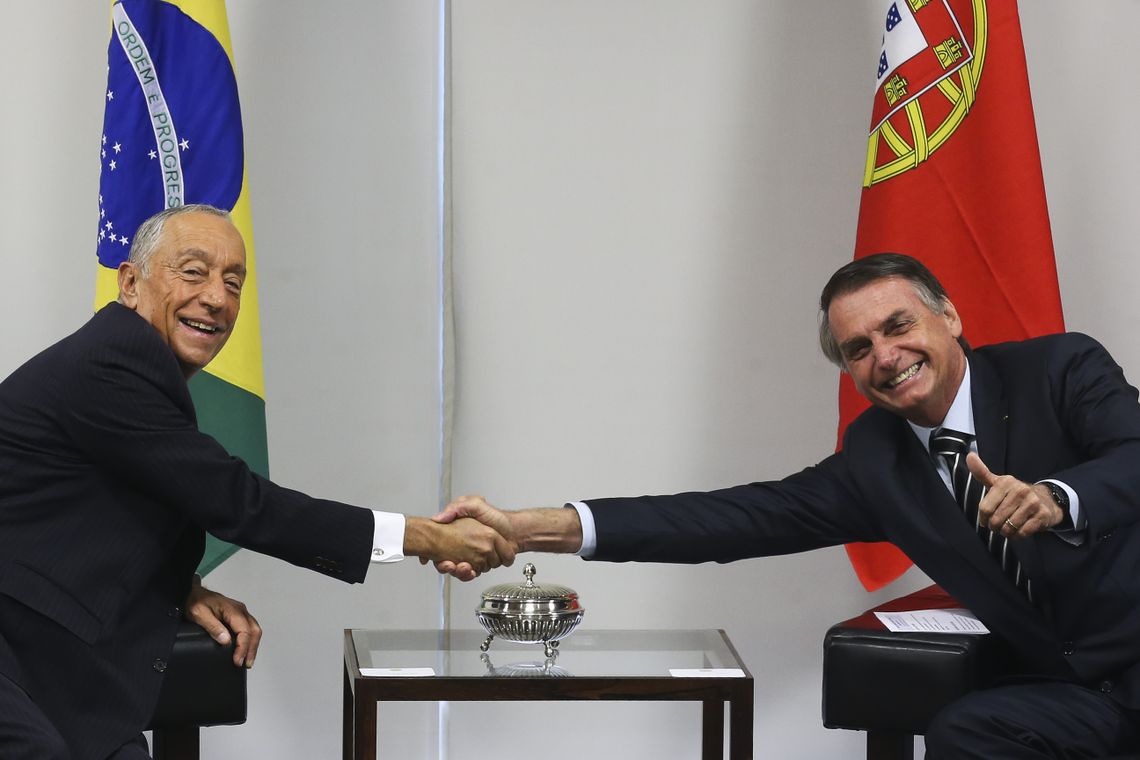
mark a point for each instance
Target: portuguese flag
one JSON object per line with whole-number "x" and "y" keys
{"x": 172, "y": 135}
{"x": 953, "y": 178}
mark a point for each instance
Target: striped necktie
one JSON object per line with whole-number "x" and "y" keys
{"x": 953, "y": 447}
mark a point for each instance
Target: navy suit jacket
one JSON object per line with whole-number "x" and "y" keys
{"x": 1052, "y": 407}
{"x": 106, "y": 489}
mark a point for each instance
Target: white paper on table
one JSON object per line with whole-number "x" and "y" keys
{"x": 396, "y": 672}
{"x": 706, "y": 672}
{"x": 953, "y": 620}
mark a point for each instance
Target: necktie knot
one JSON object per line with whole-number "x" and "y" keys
{"x": 950, "y": 443}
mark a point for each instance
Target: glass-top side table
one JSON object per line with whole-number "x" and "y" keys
{"x": 631, "y": 665}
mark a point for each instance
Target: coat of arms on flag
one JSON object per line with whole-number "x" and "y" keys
{"x": 930, "y": 65}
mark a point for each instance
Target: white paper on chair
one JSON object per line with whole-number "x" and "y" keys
{"x": 954, "y": 620}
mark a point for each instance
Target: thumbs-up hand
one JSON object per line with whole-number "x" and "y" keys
{"x": 1013, "y": 507}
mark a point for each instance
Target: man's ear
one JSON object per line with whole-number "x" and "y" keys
{"x": 953, "y": 320}
{"x": 129, "y": 285}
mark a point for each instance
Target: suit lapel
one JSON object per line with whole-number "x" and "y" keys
{"x": 917, "y": 471}
{"x": 991, "y": 424}
{"x": 991, "y": 413}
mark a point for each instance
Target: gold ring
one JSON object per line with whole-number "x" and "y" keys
{"x": 1010, "y": 524}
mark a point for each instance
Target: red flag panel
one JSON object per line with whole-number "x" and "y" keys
{"x": 953, "y": 177}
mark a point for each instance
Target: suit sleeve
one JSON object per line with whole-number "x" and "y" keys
{"x": 1098, "y": 409}
{"x": 812, "y": 509}
{"x": 127, "y": 415}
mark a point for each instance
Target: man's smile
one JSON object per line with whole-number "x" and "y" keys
{"x": 200, "y": 326}
{"x": 903, "y": 376}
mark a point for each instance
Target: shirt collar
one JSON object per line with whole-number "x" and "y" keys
{"x": 960, "y": 417}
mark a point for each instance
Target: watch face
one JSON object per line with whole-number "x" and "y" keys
{"x": 1059, "y": 495}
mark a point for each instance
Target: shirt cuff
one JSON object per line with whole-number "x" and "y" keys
{"x": 387, "y": 537}
{"x": 589, "y": 532}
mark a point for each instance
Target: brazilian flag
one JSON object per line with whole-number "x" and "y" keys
{"x": 172, "y": 135}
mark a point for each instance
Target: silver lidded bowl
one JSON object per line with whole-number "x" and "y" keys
{"x": 529, "y": 613}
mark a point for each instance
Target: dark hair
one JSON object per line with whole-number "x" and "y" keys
{"x": 864, "y": 271}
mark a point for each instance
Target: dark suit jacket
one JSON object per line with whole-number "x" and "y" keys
{"x": 1053, "y": 407}
{"x": 106, "y": 489}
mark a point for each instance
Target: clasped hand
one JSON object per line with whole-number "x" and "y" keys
{"x": 464, "y": 513}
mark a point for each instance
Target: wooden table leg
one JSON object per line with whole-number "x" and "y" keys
{"x": 888, "y": 745}
{"x": 740, "y": 725}
{"x": 182, "y": 743}
{"x": 364, "y": 735}
{"x": 346, "y": 718}
{"x": 712, "y": 730}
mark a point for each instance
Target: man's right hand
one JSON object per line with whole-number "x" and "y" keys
{"x": 557, "y": 530}
{"x": 476, "y": 508}
{"x": 464, "y": 541}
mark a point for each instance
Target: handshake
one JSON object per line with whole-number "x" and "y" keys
{"x": 470, "y": 536}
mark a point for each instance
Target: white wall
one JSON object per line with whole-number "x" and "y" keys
{"x": 1082, "y": 78}
{"x": 647, "y": 197}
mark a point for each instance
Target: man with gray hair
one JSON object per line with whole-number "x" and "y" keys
{"x": 1045, "y": 554}
{"x": 107, "y": 489}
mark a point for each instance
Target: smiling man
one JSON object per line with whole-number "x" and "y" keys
{"x": 1045, "y": 553}
{"x": 901, "y": 352}
{"x": 107, "y": 489}
{"x": 184, "y": 276}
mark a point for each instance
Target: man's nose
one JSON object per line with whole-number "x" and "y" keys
{"x": 884, "y": 352}
{"x": 213, "y": 294}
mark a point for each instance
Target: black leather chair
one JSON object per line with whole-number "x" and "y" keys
{"x": 202, "y": 687}
{"x": 892, "y": 684}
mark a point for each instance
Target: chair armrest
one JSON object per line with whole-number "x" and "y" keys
{"x": 879, "y": 680}
{"x": 202, "y": 686}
